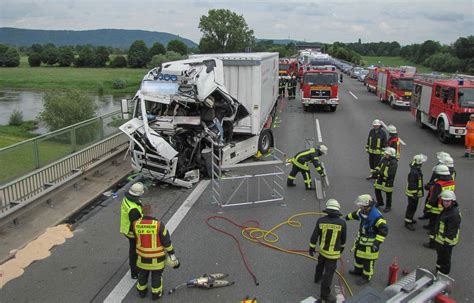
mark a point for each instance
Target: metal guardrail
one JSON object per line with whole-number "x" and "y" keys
{"x": 20, "y": 192}
{"x": 26, "y": 156}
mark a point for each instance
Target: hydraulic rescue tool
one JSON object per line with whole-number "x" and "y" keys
{"x": 205, "y": 281}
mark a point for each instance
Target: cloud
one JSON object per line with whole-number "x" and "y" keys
{"x": 444, "y": 17}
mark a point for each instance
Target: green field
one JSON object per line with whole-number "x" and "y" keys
{"x": 61, "y": 78}
{"x": 394, "y": 62}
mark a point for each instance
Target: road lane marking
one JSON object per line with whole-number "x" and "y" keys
{"x": 385, "y": 126}
{"x": 126, "y": 283}
{"x": 353, "y": 95}
{"x": 318, "y": 131}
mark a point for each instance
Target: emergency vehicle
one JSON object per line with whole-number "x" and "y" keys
{"x": 320, "y": 87}
{"x": 287, "y": 67}
{"x": 394, "y": 85}
{"x": 443, "y": 104}
{"x": 372, "y": 78}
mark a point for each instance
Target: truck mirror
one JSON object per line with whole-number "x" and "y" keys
{"x": 460, "y": 94}
{"x": 124, "y": 109}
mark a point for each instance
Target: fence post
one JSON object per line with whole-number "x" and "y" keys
{"x": 73, "y": 139}
{"x": 36, "y": 154}
{"x": 101, "y": 120}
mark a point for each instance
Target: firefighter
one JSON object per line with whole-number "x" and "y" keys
{"x": 281, "y": 86}
{"x": 434, "y": 206}
{"x": 385, "y": 172}
{"x": 330, "y": 232}
{"x": 292, "y": 87}
{"x": 301, "y": 164}
{"x": 449, "y": 162}
{"x": 372, "y": 232}
{"x": 469, "y": 139}
{"x": 376, "y": 142}
{"x": 131, "y": 210}
{"x": 154, "y": 249}
{"x": 393, "y": 139}
{"x": 447, "y": 231}
{"x": 414, "y": 190}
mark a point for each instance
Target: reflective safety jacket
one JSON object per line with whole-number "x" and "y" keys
{"x": 376, "y": 141}
{"x": 292, "y": 83}
{"x": 281, "y": 83}
{"x": 372, "y": 231}
{"x": 385, "y": 172}
{"x": 434, "y": 175}
{"x": 448, "y": 226}
{"x": 130, "y": 211}
{"x": 302, "y": 159}
{"x": 415, "y": 181}
{"x": 394, "y": 142}
{"x": 331, "y": 232}
{"x": 434, "y": 204}
{"x": 153, "y": 240}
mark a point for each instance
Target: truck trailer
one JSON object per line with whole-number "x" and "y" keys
{"x": 186, "y": 109}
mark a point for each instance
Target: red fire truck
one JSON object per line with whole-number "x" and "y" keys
{"x": 287, "y": 67}
{"x": 443, "y": 104}
{"x": 372, "y": 78}
{"x": 320, "y": 88}
{"x": 394, "y": 85}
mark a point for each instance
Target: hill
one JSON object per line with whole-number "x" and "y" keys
{"x": 122, "y": 38}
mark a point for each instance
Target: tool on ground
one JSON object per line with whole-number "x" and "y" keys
{"x": 205, "y": 281}
{"x": 393, "y": 272}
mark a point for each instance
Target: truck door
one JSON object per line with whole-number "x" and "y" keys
{"x": 437, "y": 104}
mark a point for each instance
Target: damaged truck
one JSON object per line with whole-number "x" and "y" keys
{"x": 186, "y": 109}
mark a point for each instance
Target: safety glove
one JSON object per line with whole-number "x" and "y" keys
{"x": 311, "y": 251}
{"x": 172, "y": 261}
{"x": 375, "y": 247}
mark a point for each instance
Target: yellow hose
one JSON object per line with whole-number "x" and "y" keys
{"x": 268, "y": 237}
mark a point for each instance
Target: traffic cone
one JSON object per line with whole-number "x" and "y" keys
{"x": 393, "y": 272}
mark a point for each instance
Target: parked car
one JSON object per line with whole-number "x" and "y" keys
{"x": 354, "y": 73}
{"x": 362, "y": 74}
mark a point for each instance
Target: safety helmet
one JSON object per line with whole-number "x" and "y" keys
{"x": 363, "y": 200}
{"x": 448, "y": 195}
{"x": 376, "y": 122}
{"x": 209, "y": 102}
{"x": 471, "y": 116}
{"x": 442, "y": 170}
{"x": 137, "y": 189}
{"x": 294, "y": 77}
{"x": 441, "y": 155}
{"x": 392, "y": 129}
{"x": 323, "y": 149}
{"x": 333, "y": 204}
{"x": 390, "y": 151}
{"x": 449, "y": 162}
{"x": 420, "y": 158}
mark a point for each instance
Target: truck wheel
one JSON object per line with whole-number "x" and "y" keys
{"x": 333, "y": 108}
{"x": 442, "y": 135}
{"x": 418, "y": 120}
{"x": 265, "y": 141}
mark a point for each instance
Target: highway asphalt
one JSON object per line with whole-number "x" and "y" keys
{"x": 90, "y": 265}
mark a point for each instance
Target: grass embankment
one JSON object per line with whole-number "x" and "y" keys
{"x": 394, "y": 62}
{"x": 61, "y": 78}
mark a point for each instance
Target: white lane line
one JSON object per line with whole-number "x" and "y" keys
{"x": 353, "y": 95}
{"x": 318, "y": 131}
{"x": 126, "y": 283}
{"x": 385, "y": 126}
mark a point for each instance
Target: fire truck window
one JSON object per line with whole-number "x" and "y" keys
{"x": 451, "y": 94}
{"x": 438, "y": 92}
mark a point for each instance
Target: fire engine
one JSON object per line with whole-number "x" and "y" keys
{"x": 443, "y": 104}
{"x": 287, "y": 67}
{"x": 395, "y": 84}
{"x": 320, "y": 87}
{"x": 372, "y": 78}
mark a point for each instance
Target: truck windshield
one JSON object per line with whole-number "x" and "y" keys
{"x": 283, "y": 66}
{"x": 406, "y": 84}
{"x": 466, "y": 98}
{"x": 320, "y": 78}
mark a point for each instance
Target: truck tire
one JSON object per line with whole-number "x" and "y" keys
{"x": 265, "y": 141}
{"x": 333, "y": 108}
{"x": 442, "y": 135}
{"x": 418, "y": 120}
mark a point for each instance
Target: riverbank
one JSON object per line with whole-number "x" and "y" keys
{"x": 10, "y": 135}
{"x": 93, "y": 80}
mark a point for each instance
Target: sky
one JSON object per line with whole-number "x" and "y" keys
{"x": 407, "y": 22}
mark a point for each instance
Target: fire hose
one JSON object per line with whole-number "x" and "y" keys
{"x": 251, "y": 231}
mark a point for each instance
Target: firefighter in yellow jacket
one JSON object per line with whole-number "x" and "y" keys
{"x": 301, "y": 164}
{"x": 154, "y": 249}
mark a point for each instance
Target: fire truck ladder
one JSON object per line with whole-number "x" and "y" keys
{"x": 431, "y": 77}
{"x": 246, "y": 189}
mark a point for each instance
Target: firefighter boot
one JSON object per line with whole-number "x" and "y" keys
{"x": 355, "y": 272}
{"x": 363, "y": 280}
{"x": 290, "y": 183}
{"x": 156, "y": 296}
{"x": 410, "y": 226}
{"x": 142, "y": 293}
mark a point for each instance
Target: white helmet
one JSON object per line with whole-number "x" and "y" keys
{"x": 333, "y": 204}
{"x": 442, "y": 170}
{"x": 449, "y": 162}
{"x": 363, "y": 200}
{"x": 392, "y": 129}
{"x": 376, "y": 122}
{"x": 137, "y": 189}
{"x": 294, "y": 77}
{"x": 441, "y": 155}
{"x": 323, "y": 149}
{"x": 448, "y": 195}
{"x": 390, "y": 151}
{"x": 420, "y": 158}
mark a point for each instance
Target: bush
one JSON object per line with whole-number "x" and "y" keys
{"x": 119, "y": 62}
{"x": 119, "y": 83}
{"x": 34, "y": 60}
{"x": 11, "y": 57}
{"x": 16, "y": 118}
